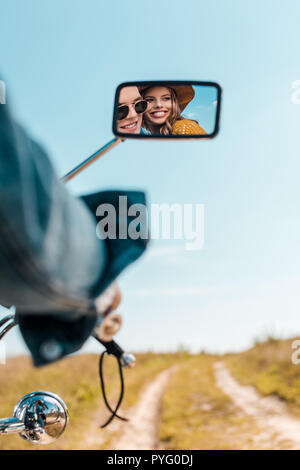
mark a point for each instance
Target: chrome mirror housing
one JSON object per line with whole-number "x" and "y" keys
{"x": 44, "y": 415}
{"x": 39, "y": 417}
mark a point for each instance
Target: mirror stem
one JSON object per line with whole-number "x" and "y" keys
{"x": 78, "y": 169}
{"x": 10, "y": 425}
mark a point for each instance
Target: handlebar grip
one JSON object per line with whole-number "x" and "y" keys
{"x": 127, "y": 359}
{"x": 111, "y": 347}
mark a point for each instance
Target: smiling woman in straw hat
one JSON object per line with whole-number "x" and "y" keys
{"x": 165, "y": 105}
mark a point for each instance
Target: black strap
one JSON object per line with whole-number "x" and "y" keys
{"x": 113, "y": 412}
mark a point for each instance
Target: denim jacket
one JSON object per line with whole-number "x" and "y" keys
{"x": 52, "y": 265}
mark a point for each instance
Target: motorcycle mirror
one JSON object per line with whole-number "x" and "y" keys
{"x": 161, "y": 110}
{"x": 44, "y": 416}
{"x": 167, "y": 109}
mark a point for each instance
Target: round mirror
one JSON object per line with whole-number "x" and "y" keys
{"x": 45, "y": 417}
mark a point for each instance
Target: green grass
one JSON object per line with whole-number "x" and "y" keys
{"x": 75, "y": 379}
{"x": 197, "y": 415}
{"x": 269, "y": 367}
{"x": 149, "y": 365}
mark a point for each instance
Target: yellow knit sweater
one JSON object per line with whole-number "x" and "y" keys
{"x": 186, "y": 126}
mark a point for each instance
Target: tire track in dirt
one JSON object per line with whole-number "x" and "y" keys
{"x": 270, "y": 413}
{"x": 140, "y": 432}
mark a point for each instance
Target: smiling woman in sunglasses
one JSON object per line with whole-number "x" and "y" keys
{"x": 130, "y": 110}
{"x": 165, "y": 105}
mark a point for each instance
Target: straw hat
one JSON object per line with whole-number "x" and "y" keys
{"x": 184, "y": 93}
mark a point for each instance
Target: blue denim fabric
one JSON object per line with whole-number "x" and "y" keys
{"x": 52, "y": 265}
{"x": 49, "y": 254}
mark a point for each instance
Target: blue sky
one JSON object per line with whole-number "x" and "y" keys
{"x": 203, "y": 107}
{"x": 62, "y": 60}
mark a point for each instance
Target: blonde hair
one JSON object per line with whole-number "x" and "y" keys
{"x": 175, "y": 115}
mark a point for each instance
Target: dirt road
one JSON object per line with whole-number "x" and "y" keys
{"x": 272, "y": 416}
{"x": 141, "y": 432}
{"x": 263, "y": 422}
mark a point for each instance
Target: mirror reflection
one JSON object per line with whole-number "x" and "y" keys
{"x": 167, "y": 109}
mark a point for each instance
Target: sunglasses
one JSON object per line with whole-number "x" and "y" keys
{"x": 140, "y": 107}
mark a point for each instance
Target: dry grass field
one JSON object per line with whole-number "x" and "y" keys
{"x": 193, "y": 410}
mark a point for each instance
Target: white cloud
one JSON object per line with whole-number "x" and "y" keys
{"x": 176, "y": 291}
{"x": 165, "y": 250}
{"x": 175, "y": 255}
